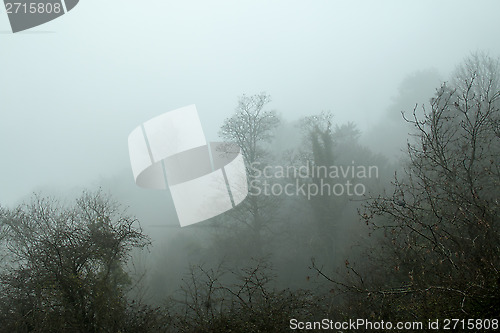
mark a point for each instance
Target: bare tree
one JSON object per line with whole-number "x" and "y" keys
{"x": 66, "y": 268}
{"x": 238, "y": 300}
{"x": 439, "y": 254}
{"x": 251, "y": 127}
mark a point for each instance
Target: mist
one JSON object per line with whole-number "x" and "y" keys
{"x": 339, "y": 79}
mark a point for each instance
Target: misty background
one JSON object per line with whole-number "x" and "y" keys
{"x": 73, "y": 89}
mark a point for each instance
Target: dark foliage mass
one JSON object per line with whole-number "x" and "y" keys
{"x": 66, "y": 270}
{"x": 422, "y": 243}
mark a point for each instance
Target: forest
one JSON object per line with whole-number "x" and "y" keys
{"x": 331, "y": 231}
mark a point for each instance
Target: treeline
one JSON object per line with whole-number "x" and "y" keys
{"x": 421, "y": 242}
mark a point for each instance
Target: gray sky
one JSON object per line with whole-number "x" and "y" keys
{"x": 73, "y": 89}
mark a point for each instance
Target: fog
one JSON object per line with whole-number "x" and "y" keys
{"x": 72, "y": 90}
